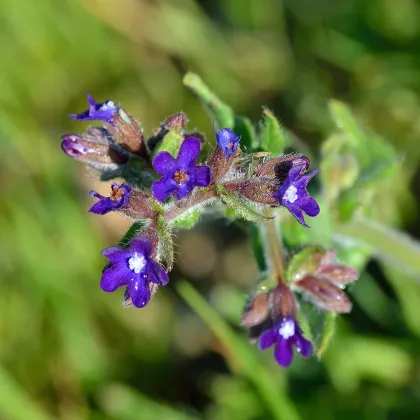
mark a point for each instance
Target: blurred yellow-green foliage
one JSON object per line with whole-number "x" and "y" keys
{"x": 68, "y": 350}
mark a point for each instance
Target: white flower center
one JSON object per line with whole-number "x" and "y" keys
{"x": 107, "y": 106}
{"x": 290, "y": 194}
{"x": 287, "y": 329}
{"x": 137, "y": 263}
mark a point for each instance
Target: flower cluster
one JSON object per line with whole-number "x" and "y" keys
{"x": 164, "y": 180}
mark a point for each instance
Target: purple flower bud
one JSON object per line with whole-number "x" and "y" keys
{"x": 92, "y": 152}
{"x": 99, "y": 112}
{"x": 181, "y": 175}
{"x": 134, "y": 268}
{"x": 257, "y": 312}
{"x": 117, "y": 200}
{"x": 285, "y": 334}
{"x": 293, "y": 195}
{"x": 227, "y": 140}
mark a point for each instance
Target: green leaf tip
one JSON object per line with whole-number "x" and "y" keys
{"x": 272, "y": 138}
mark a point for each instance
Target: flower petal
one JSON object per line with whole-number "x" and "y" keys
{"x": 188, "y": 152}
{"x": 202, "y": 176}
{"x": 267, "y": 339}
{"x": 164, "y": 163}
{"x": 303, "y": 346}
{"x": 142, "y": 245}
{"x": 114, "y": 277}
{"x": 296, "y": 213}
{"x": 283, "y": 352}
{"x": 139, "y": 292}
{"x": 156, "y": 273}
{"x": 310, "y": 207}
{"x": 182, "y": 190}
{"x": 162, "y": 189}
{"x": 104, "y": 206}
{"x": 116, "y": 254}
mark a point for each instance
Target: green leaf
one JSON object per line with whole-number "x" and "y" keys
{"x": 133, "y": 230}
{"x": 272, "y": 138}
{"x": 244, "y": 128}
{"x": 221, "y": 113}
{"x": 241, "y": 208}
{"x": 187, "y": 220}
{"x": 387, "y": 244}
{"x": 171, "y": 143}
{"x": 241, "y": 358}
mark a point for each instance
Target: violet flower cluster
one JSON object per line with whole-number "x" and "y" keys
{"x": 164, "y": 179}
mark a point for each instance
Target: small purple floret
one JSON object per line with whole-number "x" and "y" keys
{"x": 180, "y": 175}
{"x": 117, "y": 200}
{"x": 227, "y": 140}
{"x": 285, "y": 334}
{"x": 72, "y": 147}
{"x": 293, "y": 195}
{"x": 134, "y": 268}
{"x": 97, "y": 112}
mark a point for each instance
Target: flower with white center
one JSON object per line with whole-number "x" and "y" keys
{"x": 137, "y": 263}
{"x": 291, "y": 194}
{"x": 287, "y": 329}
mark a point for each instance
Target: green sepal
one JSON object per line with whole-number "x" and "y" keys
{"x": 132, "y": 231}
{"x": 317, "y": 325}
{"x": 304, "y": 262}
{"x": 221, "y": 113}
{"x": 166, "y": 245}
{"x": 187, "y": 220}
{"x": 272, "y": 138}
{"x": 240, "y": 207}
{"x": 170, "y": 143}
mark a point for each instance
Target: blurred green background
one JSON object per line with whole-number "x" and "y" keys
{"x": 68, "y": 350}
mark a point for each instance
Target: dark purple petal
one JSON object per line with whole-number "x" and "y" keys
{"x": 183, "y": 190}
{"x": 283, "y": 352}
{"x": 162, "y": 189}
{"x": 139, "y": 291}
{"x": 114, "y": 277}
{"x": 297, "y": 214}
{"x": 311, "y": 207}
{"x": 202, "y": 176}
{"x": 156, "y": 273}
{"x": 164, "y": 163}
{"x": 188, "y": 152}
{"x": 104, "y": 206}
{"x": 267, "y": 339}
{"x": 94, "y": 194}
{"x": 303, "y": 346}
{"x": 116, "y": 255}
{"x": 141, "y": 245}
{"x": 97, "y": 111}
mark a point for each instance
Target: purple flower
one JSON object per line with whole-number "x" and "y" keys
{"x": 133, "y": 267}
{"x": 117, "y": 200}
{"x": 182, "y": 174}
{"x": 285, "y": 334}
{"x": 294, "y": 196}
{"x": 227, "y": 140}
{"x": 97, "y": 111}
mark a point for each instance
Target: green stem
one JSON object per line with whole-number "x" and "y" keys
{"x": 241, "y": 358}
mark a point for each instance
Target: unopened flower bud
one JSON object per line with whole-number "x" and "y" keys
{"x": 257, "y": 311}
{"x": 282, "y": 302}
{"x": 89, "y": 150}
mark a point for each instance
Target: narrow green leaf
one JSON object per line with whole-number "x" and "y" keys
{"x": 387, "y": 243}
{"x": 221, "y": 113}
{"x": 132, "y": 231}
{"x": 240, "y": 207}
{"x": 242, "y": 359}
{"x": 272, "y": 138}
